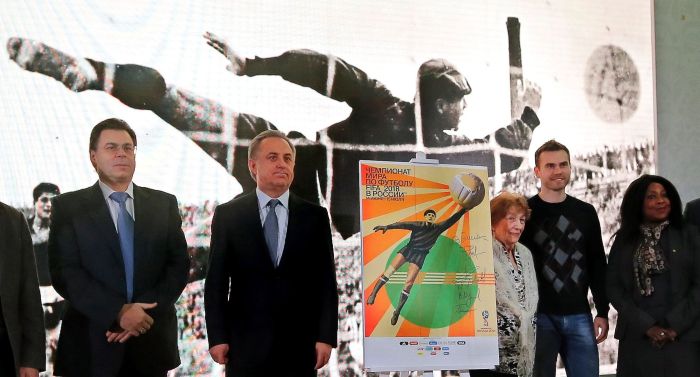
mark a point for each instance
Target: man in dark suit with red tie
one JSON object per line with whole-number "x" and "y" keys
{"x": 271, "y": 298}
{"x": 118, "y": 255}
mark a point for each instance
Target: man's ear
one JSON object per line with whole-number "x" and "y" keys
{"x": 92, "y": 158}
{"x": 440, "y": 104}
{"x": 252, "y": 168}
{"x": 537, "y": 171}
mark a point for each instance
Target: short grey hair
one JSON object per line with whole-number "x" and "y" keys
{"x": 255, "y": 143}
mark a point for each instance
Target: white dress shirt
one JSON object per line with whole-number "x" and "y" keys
{"x": 114, "y": 206}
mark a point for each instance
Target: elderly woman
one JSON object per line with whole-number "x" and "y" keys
{"x": 516, "y": 288}
{"x": 654, "y": 283}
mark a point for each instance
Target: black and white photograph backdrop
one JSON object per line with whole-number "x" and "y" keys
{"x": 466, "y": 82}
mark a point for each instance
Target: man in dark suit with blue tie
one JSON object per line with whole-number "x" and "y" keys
{"x": 118, "y": 255}
{"x": 271, "y": 298}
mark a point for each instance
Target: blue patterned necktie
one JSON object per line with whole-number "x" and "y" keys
{"x": 125, "y": 228}
{"x": 271, "y": 230}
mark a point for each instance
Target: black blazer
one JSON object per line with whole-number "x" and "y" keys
{"x": 692, "y": 212}
{"x": 272, "y": 317}
{"x": 19, "y": 291}
{"x": 684, "y": 265}
{"x": 88, "y": 271}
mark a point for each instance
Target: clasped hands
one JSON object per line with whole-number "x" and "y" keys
{"x": 659, "y": 336}
{"x": 133, "y": 321}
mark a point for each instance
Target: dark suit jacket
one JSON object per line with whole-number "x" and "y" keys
{"x": 684, "y": 312}
{"x": 692, "y": 212}
{"x": 272, "y": 317}
{"x": 87, "y": 269}
{"x": 19, "y": 291}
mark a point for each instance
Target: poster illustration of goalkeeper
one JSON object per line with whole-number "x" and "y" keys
{"x": 424, "y": 234}
{"x": 426, "y": 250}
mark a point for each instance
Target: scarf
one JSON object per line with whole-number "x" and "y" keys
{"x": 507, "y": 295}
{"x": 649, "y": 259}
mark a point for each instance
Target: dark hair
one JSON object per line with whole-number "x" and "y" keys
{"x": 551, "y": 146}
{"x": 438, "y": 78}
{"x": 110, "y": 124}
{"x": 427, "y": 211}
{"x": 44, "y": 187}
{"x": 503, "y": 202}
{"x": 631, "y": 209}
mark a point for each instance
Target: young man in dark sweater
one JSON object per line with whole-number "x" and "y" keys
{"x": 564, "y": 236}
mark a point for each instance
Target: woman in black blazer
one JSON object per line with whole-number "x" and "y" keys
{"x": 653, "y": 281}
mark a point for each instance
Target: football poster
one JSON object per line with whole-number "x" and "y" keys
{"x": 428, "y": 281}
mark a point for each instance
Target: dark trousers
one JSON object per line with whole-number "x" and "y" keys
{"x": 639, "y": 358}
{"x": 128, "y": 368}
{"x": 7, "y": 363}
{"x": 127, "y": 371}
{"x": 279, "y": 370}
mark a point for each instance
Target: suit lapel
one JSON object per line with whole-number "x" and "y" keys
{"x": 96, "y": 206}
{"x": 143, "y": 208}
{"x": 676, "y": 256}
{"x": 293, "y": 228}
{"x": 254, "y": 229}
{"x": 5, "y": 248}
